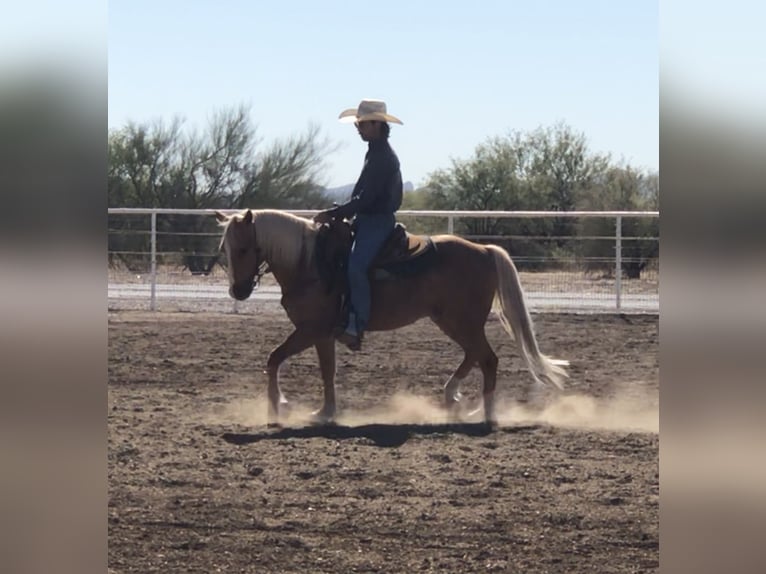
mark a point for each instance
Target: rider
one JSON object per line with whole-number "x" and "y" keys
{"x": 374, "y": 201}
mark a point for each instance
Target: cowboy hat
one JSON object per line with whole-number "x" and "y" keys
{"x": 368, "y": 110}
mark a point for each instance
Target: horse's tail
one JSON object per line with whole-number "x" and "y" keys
{"x": 515, "y": 318}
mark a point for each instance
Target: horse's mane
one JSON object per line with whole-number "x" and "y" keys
{"x": 287, "y": 240}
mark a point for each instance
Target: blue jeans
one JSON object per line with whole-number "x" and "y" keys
{"x": 371, "y": 232}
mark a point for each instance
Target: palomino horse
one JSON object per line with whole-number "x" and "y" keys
{"x": 456, "y": 291}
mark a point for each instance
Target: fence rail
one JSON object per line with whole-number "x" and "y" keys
{"x": 155, "y": 257}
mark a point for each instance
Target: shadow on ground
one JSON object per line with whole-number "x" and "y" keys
{"x": 383, "y": 435}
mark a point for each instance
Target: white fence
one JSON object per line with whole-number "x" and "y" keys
{"x": 165, "y": 259}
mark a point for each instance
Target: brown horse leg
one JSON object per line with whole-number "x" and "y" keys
{"x": 488, "y": 365}
{"x": 470, "y": 335}
{"x": 326, "y": 353}
{"x": 452, "y": 386}
{"x": 296, "y": 342}
{"x": 482, "y": 354}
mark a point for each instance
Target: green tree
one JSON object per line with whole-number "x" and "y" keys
{"x": 420, "y": 200}
{"x": 560, "y": 169}
{"x": 159, "y": 165}
{"x": 547, "y": 169}
{"x": 286, "y": 176}
{"x": 487, "y": 182}
{"x": 143, "y": 171}
{"x": 622, "y": 188}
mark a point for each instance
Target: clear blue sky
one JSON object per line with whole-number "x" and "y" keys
{"x": 456, "y": 73}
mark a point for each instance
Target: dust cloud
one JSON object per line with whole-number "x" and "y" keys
{"x": 582, "y": 411}
{"x": 620, "y": 413}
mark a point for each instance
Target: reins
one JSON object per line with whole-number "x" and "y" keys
{"x": 261, "y": 267}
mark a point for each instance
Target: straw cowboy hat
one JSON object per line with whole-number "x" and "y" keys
{"x": 368, "y": 110}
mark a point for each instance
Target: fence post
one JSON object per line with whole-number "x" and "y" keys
{"x": 153, "y": 287}
{"x": 618, "y": 262}
{"x": 450, "y": 225}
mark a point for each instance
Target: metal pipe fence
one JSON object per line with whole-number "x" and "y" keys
{"x": 576, "y": 261}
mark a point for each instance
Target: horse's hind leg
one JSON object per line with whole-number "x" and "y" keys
{"x": 482, "y": 354}
{"x": 488, "y": 365}
{"x": 478, "y": 351}
{"x": 452, "y": 386}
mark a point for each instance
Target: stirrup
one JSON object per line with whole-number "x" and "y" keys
{"x": 353, "y": 342}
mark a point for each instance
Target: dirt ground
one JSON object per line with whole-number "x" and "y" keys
{"x": 197, "y": 482}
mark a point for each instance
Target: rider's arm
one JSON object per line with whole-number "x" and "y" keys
{"x": 373, "y": 187}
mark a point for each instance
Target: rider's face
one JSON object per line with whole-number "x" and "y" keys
{"x": 368, "y": 130}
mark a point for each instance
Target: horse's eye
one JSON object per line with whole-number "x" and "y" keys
{"x": 242, "y": 251}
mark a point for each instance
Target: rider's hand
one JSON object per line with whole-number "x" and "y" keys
{"x": 325, "y": 216}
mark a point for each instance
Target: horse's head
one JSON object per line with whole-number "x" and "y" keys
{"x": 242, "y": 253}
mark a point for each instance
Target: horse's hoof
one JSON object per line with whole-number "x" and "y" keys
{"x": 491, "y": 425}
{"x": 323, "y": 423}
{"x": 321, "y": 419}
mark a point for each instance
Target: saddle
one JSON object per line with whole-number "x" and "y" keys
{"x": 402, "y": 254}
{"x": 401, "y": 247}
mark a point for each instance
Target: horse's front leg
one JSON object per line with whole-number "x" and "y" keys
{"x": 298, "y": 341}
{"x": 326, "y": 352}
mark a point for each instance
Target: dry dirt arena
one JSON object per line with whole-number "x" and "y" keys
{"x": 197, "y": 482}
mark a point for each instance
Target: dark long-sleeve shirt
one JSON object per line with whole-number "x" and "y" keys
{"x": 379, "y": 187}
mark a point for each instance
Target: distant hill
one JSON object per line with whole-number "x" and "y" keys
{"x": 343, "y": 192}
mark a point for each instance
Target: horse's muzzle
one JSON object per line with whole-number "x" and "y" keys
{"x": 241, "y": 291}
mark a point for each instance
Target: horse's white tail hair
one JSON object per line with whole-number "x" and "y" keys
{"x": 515, "y": 319}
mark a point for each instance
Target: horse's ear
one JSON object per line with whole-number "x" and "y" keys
{"x": 221, "y": 217}
{"x": 248, "y": 217}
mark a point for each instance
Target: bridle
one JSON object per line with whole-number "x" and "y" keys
{"x": 261, "y": 265}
